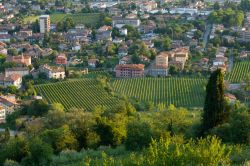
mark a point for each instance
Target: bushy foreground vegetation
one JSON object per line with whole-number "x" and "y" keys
{"x": 125, "y": 134}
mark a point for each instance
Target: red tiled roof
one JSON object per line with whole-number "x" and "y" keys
{"x": 130, "y": 66}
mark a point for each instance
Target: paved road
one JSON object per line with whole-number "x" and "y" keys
{"x": 207, "y": 34}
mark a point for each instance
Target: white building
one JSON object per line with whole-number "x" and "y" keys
{"x": 44, "y": 23}
{"x": 22, "y": 71}
{"x": 183, "y": 11}
{"x": 119, "y": 22}
{"x": 9, "y": 103}
{"x": 2, "y": 114}
{"x": 53, "y": 72}
{"x": 14, "y": 79}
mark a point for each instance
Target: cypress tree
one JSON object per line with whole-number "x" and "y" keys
{"x": 215, "y": 106}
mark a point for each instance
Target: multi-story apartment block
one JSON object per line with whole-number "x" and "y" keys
{"x": 129, "y": 70}
{"x": 44, "y": 23}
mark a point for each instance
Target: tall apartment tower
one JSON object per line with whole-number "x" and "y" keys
{"x": 44, "y": 23}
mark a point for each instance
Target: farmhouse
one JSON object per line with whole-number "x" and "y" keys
{"x": 53, "y": 72}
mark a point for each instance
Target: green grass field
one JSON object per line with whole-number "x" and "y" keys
{"x": 89, "y": 19}
{"x": 240, "y": 70}
{"x": 185, "y": 92}
{"x": 30, "y": 19}
{"x": 84, "y": 93}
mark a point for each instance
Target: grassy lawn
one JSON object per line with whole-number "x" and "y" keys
{"x": 30, "y": 19}
{"x": 90, "y": 19}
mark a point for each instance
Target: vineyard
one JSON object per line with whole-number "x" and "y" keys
{"x": 84, "y": 93}
{"x": 240, "y": 70}
{"x": 186, "y": 92}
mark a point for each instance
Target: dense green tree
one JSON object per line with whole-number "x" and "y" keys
{"x": 216, "y": 6}
{"x": 82, "y": 124}
{"x": 5, "y": 136}
{"x": 240, "y": 127}
{"x": 35, "y": 26}
{"x": 12, "y": 52}
{"x": 15, "y": 149}
{"x": 38, "y": 108}
{"x": 40, "y": 153}
{"x": 139, "y": 135}
{"x": 215, "y": 105}
{"x": 197, "y": 34}
{"x": 166, "y": 43}
{"x": 245, "y": 5}
{"x": 227, "y": 17}
{"x": 60, "y": 139}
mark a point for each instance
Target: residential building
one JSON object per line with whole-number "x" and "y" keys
{"x": 44, "y": 23}
{"x": 21, "y": 59}
{"x": 183, "y": 11}
{"x": 129, "y": 70}
{"x": 160, "y": 68}
{"x": 244, "y": 35}
{"x": 22, "y": 71}
{"x": 61, "y": 59}
{"x": 156, "y": 71}
{"x": 124, "y": 60}
{"x": 5, "y": 37}
{"x": 14, "y": 79}
{"x": 123, "y": 50}
{"x": 162, "y": 59}
{"x": 93, "y": 62}
{"x": 148, "y": 6}
{"x": 2, "y": 115}
{"x": 119, "y": 22}
{"x": 52, "y": 72}
{"x": 179, "y": 55}
{"x": 9, "y": 103}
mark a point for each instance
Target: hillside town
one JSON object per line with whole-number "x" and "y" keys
{"x": 92, "y": 55}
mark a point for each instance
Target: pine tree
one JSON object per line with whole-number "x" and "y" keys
{"x": 215, "y": 106}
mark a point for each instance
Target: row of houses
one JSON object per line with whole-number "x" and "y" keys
{"x": 164, "y": 60}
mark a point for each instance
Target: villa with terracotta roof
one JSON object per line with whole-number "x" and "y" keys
{"x": 9, "y": 103}
{"x": 129, "y": 70}
{"x": 61, "y": 59}
{"x": 14, "y": 79}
